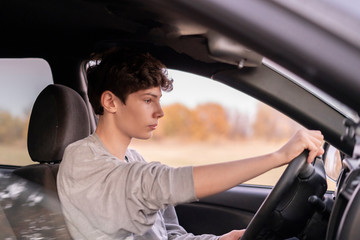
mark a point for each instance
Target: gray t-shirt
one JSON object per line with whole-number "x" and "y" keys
{"x": 103, "y": 197}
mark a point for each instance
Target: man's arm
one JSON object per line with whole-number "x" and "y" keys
{"x": 215, "y": 178}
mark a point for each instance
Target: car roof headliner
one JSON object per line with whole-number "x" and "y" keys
{"x": 41, "y": 26}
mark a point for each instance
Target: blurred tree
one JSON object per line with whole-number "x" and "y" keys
{"x": 211, "y": 122}
{"x": 273, "y": 125}
{"x": 177, "y": 121}
{"x": 240, "y": 124}
{"x": 206, "y": 121}
{"x": 11, "y": 128}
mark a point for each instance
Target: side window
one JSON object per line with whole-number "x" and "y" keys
{"x": 207, "y": 122}
{"x": 21, "y": 81}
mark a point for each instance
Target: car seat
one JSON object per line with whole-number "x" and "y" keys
{"x": 58, "y": 118}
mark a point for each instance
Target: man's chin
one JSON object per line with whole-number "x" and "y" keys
{"x": 145, "y": 137}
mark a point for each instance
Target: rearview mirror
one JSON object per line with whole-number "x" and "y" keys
{"x": 333, "y": 162}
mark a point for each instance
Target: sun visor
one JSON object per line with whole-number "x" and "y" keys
{"x": 228, "y": 51}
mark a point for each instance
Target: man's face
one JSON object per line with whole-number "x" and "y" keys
{"x": 139, "y": 117}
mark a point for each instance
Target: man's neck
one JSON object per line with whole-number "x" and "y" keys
{"x": 115, "y": 142}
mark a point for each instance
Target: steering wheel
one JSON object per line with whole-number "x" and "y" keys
{"x": 285, "y": 211}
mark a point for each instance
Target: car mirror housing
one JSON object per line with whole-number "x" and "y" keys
{"x": 333, "y": 162}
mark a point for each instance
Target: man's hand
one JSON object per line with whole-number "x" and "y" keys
{"x": 303, "y": 139}
{"x": 233, "y": 235}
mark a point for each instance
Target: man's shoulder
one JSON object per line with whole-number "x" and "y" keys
{"x": 81, "y": 142}
{"x": 84, "y": 144}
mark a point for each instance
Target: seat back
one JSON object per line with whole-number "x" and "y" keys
{"x": 58, "y": 118}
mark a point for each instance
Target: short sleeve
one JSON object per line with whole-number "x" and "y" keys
{"x": 153, "y": 186}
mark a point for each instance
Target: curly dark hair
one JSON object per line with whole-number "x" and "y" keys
{"x": 123, "y": 73}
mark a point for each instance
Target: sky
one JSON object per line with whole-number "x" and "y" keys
{"x": 191, "y": 90}
{"x": 21, "y": 80}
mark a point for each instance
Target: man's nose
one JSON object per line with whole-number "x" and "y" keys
{"x": 159, "y": 113}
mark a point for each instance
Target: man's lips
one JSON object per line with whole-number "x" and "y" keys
{"x": 153, "y": 126}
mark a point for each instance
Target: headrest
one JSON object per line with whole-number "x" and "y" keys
{"x": 58, "y": 118}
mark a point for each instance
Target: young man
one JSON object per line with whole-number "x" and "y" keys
{"x": 110, "y": 192}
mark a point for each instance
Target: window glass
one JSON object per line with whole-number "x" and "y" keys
{"x": 21, "y": 81}
{"x": 207, "y": 122}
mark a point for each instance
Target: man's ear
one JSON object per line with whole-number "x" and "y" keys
{"x": 108, "y": 101}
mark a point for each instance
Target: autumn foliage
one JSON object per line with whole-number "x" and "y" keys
{"x": 12, "y": 128}
{"x": 273, "y": 125}
{"x": 204, "y": 122}
{"x": 212, "y": 121}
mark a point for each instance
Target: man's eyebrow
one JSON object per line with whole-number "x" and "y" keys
{"x": 152, "y": 94}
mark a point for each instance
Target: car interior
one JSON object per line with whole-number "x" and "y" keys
{"x": 270, "y": 50}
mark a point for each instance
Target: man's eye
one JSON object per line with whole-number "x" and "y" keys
{"x": 148, "y": 100}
